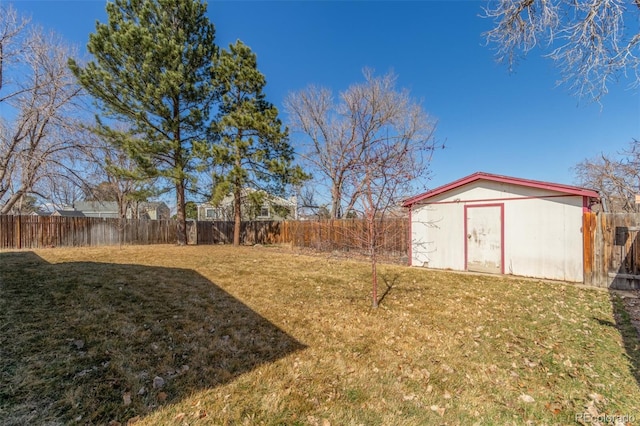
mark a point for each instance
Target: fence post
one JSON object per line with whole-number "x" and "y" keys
{"x": 19, "y": 231}
{"x": 588, "y": 249}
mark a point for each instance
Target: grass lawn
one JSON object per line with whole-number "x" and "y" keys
{"x": 223, "y": 335}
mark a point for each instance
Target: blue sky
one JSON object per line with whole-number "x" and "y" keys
{"x": 520, "y": 124}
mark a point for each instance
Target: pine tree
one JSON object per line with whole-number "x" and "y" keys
{"x": 253, "y": 149}
{"x": 152, "y": 68}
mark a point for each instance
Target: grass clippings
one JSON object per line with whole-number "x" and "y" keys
{"x": 223, "y": 335}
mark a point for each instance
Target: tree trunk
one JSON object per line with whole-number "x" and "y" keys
{"x": 180, "y": 214}
{"x": 237, "y": 214}
{"x": 371, "y": 233}
{"x": 335, "y": 202}
{"x": 11, "y": 202}
{"x": 374, "y": 274}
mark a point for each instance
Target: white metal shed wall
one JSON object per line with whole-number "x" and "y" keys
{"x": 542, "y": 229}
{"x": 437, "y": 236}
{"x": 543, "y": 238}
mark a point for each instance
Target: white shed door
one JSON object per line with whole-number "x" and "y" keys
{"x": 484, "y": 238}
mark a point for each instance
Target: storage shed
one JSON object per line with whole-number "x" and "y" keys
{"x": 500, "y": 224}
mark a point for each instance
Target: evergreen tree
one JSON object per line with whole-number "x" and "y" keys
{"x": 191, "y": 210}
{"x": 253, "y": 149}
{"x": 152, "y": 68}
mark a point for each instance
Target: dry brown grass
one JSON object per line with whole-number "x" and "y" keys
{"x": 264, "y": 336}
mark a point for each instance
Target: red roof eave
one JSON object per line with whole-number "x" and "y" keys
{"x": 567, "y": 189}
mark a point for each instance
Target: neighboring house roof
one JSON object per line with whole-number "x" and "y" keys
{"x": 150, "y": 210}
{"x": 152, "y": 204}
{"x": 36, "y": 213}
{"x": 562, "y": 188}
{"x": 224, "y": 209}
{"x": 69, "y": 213}
{"x": 273, "y": 199}
{"x": 98, "y": 208}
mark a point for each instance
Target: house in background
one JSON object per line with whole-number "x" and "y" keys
{"x": 149, "y": 210}
{"x": 272, "y": 208}
{"x": 67, "y": 213}
{"x": 500, "y": 224}
{"x": 110, "y": 209}
{"x": 98, "y": 208}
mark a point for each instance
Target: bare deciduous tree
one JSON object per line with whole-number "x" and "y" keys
{"x": 385, "y": 175}
{"x": 113, "y": 174}
{"x": 38, "y": 137}
{"x": 593, "y": 41}
{"x": 371, "y": 147}
{"x": 616, "y": 178}
{"x": 63, "y": 192}
{"x": 313, "y": 112}
{"x": 336, "y": 135}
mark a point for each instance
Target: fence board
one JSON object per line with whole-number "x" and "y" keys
{"x": 588, "y": 235}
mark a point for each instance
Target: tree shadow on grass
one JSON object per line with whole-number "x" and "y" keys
{"x": 94, "y": 342}
{"x": 629, "y": 333}
{"x": 625, "y": 257}
{"x": 389, "y": 283}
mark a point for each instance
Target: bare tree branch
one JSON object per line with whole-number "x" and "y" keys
{"x": 594, "y": 42}
{"x": 616, "y": 178}
{"x": 336, "y": 135}
{"x": 44, "y": 137}
{"x": 11, "y": 27}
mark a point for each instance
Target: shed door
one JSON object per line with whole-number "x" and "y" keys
{"x": 484, "y": 228}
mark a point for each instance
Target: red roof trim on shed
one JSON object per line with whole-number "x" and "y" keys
{"x": 566, "y": 189}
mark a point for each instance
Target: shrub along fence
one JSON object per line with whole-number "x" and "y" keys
{"x": 25, "y": 232}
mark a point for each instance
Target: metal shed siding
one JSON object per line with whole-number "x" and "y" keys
{"x": 437, "y": 236}
{"x": 542, "y": 229}
{"x": 543, "y": 238}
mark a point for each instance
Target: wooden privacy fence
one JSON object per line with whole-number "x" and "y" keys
{"x": 349, "y": 234}
{"x": 612, "y": 250}
{"x": 251, "y": 232}
{"x": 17, "y": 232}
{"x": 25, "y": 232}
{"x": 325, "y": 235}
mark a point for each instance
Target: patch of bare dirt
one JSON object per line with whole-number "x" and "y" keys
{"x": 631, "y": 301}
